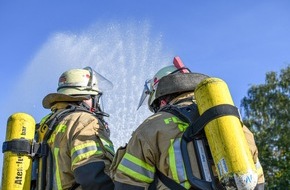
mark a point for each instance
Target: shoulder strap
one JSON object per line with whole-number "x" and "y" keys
{"x": 56, "y": 118}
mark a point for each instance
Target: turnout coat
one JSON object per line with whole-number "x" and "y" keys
{"x": 155, "y": 145}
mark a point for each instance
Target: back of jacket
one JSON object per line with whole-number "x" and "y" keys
{"x": 78, "y": 140}
{"x": 154, "y": 144}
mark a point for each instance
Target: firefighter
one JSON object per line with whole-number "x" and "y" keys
{"x": 77, "y": 136}
{"x": 152, "y": 158}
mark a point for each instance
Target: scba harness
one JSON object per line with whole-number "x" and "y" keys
{"x": 195, "y": 133}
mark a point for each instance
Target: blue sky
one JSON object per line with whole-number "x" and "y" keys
{"x": 238, "y": 41}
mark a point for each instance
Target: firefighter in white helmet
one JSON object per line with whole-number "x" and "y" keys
{"x": 79, "y": 147}
{"x": 152, "y": 159}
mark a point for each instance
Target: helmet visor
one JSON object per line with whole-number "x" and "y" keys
{"x": 146, "y": 91}
{"x": 95, "y": 77}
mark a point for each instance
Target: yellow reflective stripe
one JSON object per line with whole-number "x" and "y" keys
{"x": 57, "y": 174}
{"x": 172, "y": 163}
{"x": 187, "y": 184}
{"x": 84, "y": 151}
{"x": 137, "y": 168}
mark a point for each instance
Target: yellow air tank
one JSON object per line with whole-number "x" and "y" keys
{"x": 16, "y": 172}
{"x": 228, "y": 145}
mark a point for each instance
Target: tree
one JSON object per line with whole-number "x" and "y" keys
{"x": 267, "y": 113}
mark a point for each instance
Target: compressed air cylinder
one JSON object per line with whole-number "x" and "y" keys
{"x": 228, "y": 145}
{"x": 16, "y": 172}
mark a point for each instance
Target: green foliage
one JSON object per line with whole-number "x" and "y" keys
{"x": 267, "y": 113}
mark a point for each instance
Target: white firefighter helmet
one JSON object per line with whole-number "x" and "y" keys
{"x": 76, "y": 85}
{"x": 79, "y": 82}
{"x": 84, "y": 81}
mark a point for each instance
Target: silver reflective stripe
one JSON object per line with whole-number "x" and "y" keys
{"x": 178, "y": 161}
